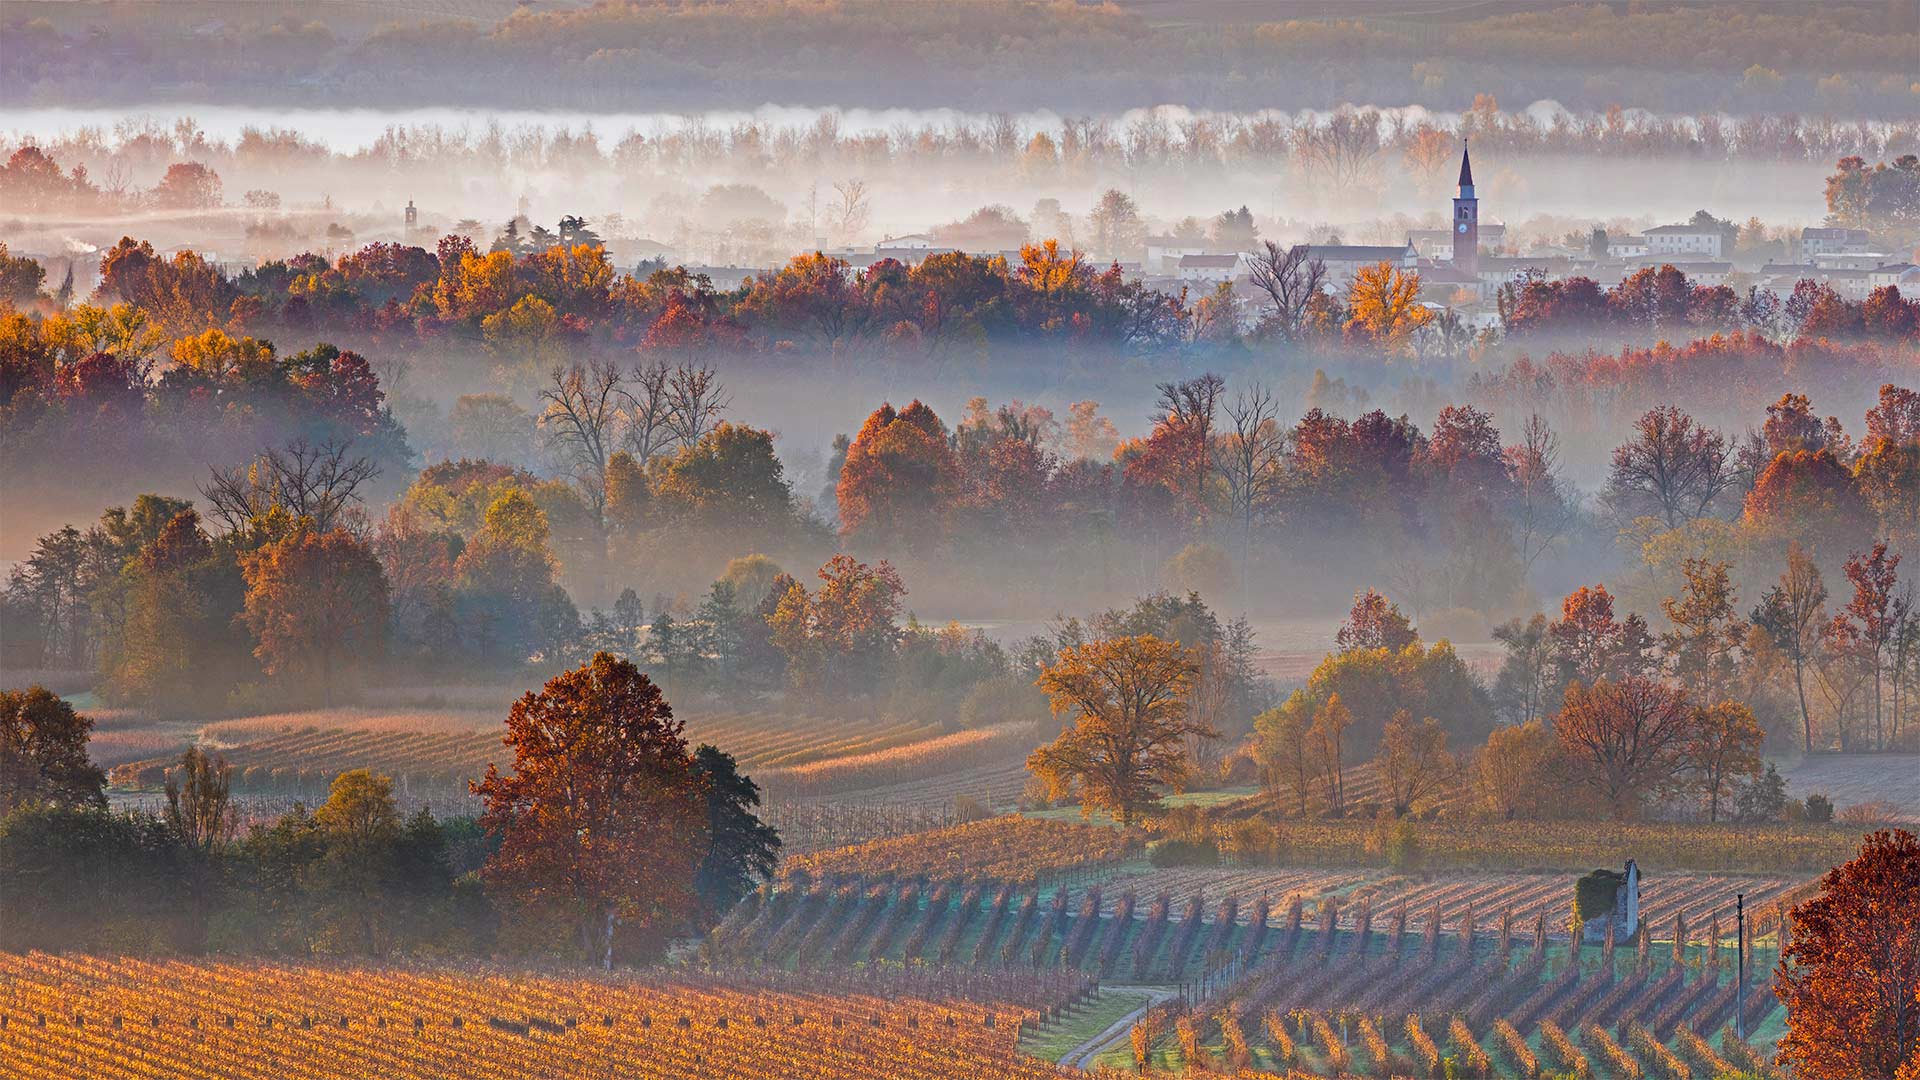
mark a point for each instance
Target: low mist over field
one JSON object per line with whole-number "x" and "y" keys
{"x": 984, "y": 539}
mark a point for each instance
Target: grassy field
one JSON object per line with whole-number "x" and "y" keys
{"x": 1079, "y": 1023}
{"x": 1850, "y": 780}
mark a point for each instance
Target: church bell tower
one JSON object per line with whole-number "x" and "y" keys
{"x": 1466, "y": 220}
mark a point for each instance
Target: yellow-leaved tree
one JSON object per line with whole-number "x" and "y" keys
{"x": 1129, "y": 736}
{"x": 1385, "y": 307}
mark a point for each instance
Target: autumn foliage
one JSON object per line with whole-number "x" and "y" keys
{"x": 1850, "y": 976}
{"x": 1128, "y": 697}
{"x": 601, "y": 819}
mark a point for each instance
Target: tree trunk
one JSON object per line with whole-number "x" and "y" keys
{"x": 1806, "y": 714}
{"x": 607, "y": 961}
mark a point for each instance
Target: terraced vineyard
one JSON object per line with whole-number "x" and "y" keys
{"x": 1010, "y": 849}
{"x": 434, "y": 752}
{"x": 1383, "y": 1000}
{"x": 1466, "y": 843}
{"x": 63, "y": 1017}
{"x": 1496, "y": 981}
{"x": 1698, "y": 898}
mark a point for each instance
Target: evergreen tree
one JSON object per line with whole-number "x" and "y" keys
{"x": 741, "y": 849}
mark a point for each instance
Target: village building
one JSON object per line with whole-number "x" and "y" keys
{"x": 1209, "y": 268}
{"x": 1832, "y": 241}
{"x": 1343, "y": 261}
{"x": 1701, "y": 241}
{"x": 1164, "y": 253}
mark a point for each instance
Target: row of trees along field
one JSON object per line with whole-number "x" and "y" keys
{"x": 285, "y": 578}
{"x": 1603, "y": 718}
{"x": 532, "y": 303}
{"x": 1592, "y": 712}
{"x": 132, "y": 167}
{"x": 606, "y": 835}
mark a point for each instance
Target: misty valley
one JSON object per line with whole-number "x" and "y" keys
{"x": 995, "y": 539}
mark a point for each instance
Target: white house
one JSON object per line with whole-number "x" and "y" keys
{"x": 1697, "y": 240}
{"x": 1626, "y": 247}
{"x": 1343, "y": 261}
{"x": 1705, "y": 273}
{"x": 1825, "y": 241}
{"x": 1905, "y": 275}
{"x": 1208, "y": 268}
{"x": 903, "y": 247}
{"x": 1437, "y": 244}
{"x": 1507, "y": 269}
{"x": 1852, "y": 284}
{"x": 1851, "y": 260}
{"x": 1165, "y": 252}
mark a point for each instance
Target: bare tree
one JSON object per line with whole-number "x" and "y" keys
{"x": 1252, "y": 456}
{"x": 647, "y": 424}
{"x": 317, "y": 483}
{"x": 1342, "y": 149}
{"x": 1793, "y": 614}
{"x": 1544, "y": 508}
{"x": 850, "y": 208}
{"x": 695, "y": 400}
{"x": 1190, "y": 407}
{"x": 1290, "y": 277}
{"x": 200, "y": 801}
{"x": 1673, "y": 467}
{"x": 582, "y": 417}
{"x": 1446, "y": 336}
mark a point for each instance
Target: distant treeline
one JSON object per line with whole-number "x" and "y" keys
{"x": 985, "y": 54}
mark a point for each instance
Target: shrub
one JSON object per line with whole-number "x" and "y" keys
{"x": 1284, "y": 1051}
{"x": 1397, "y": 840}
{"x": 1875, "y": 812}
{"x": 966, "y": 808}
{"x": 1176, "y": 852}
{"x": 1516, "y": 1049}
{"x": 1001, "y": 700}
{"x": 1596, "y": 894}
{"x": 1476, "y": 1061}
{"x": 1819, "y": 808}
{"x": 1251, "y": 842}
{"x": 1618, "y": 1062}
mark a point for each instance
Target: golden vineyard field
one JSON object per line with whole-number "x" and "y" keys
{"x": 71, "y": 1017}
{"x": 798, "y": 755}
{"x": 1011, "y": 850}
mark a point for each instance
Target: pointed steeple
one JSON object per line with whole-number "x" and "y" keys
{"x": 1466, "y": 166}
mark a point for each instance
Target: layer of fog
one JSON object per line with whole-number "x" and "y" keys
{"x": 349, "y": 130}
{"x": 671, "y": 206}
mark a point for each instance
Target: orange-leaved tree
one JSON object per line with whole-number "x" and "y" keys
{"x": 1724, "y": 748}
{"x": 1129, "y": 737}
{"x": 1413, "y": 761}
{"x": 1850, "y": 977}
{"x": 837, "y": 639}
{"x": 603, "y": 819}
{"x": 315, "y": 600}
{"x": 900, "y": 478}
{"x": 1626, "y": 740}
